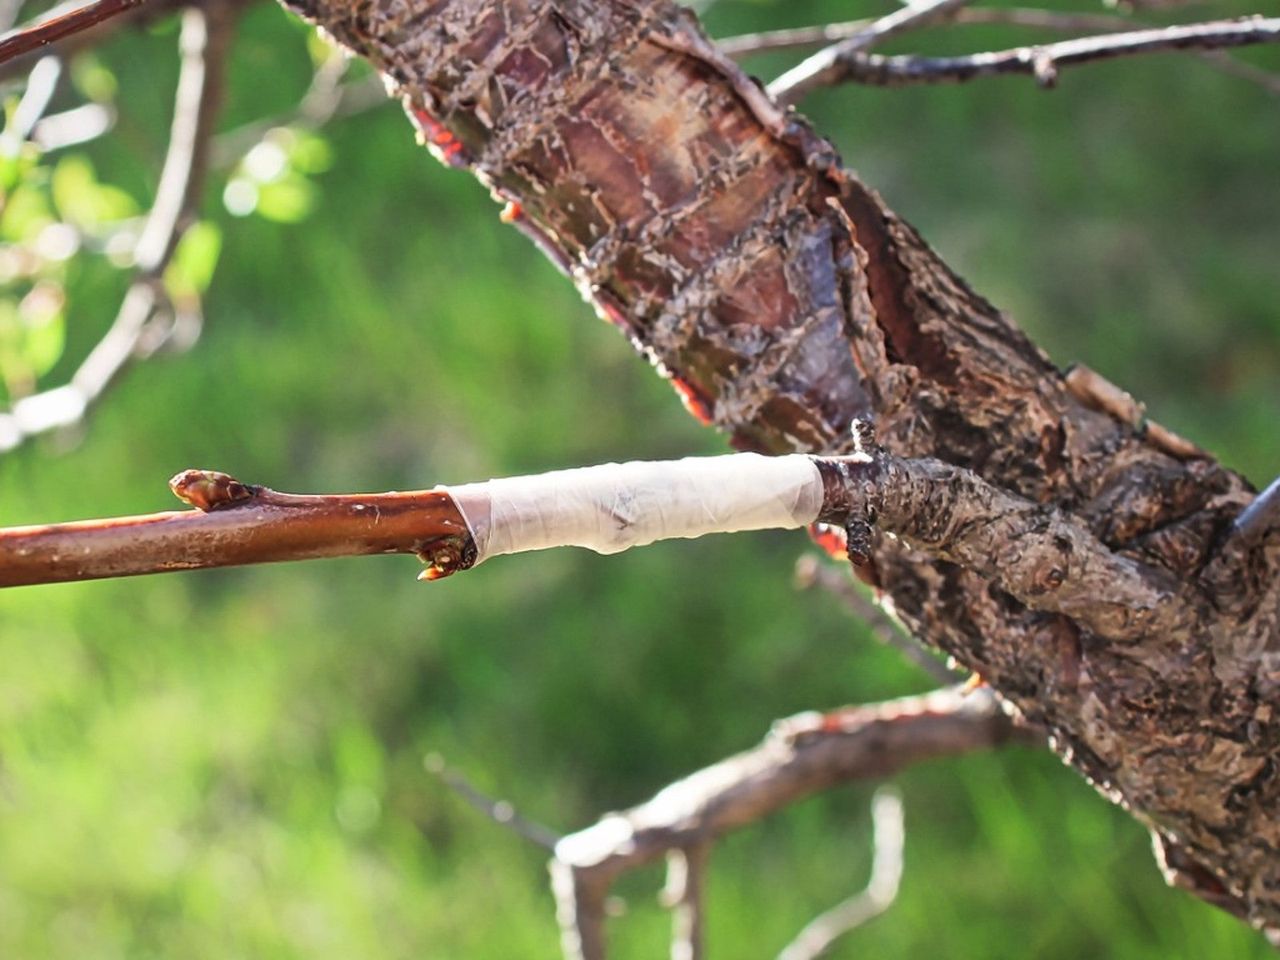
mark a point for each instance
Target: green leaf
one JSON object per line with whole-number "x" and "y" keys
{"x": 92, "y": 78}
{"x": 82, "y": 200}
{"x": 44, "y": 328}
{"x": 191, "y": 269}
{"x": 309, "y": 153}
{"x": 286, "y": 200}
{"x": 26, "y": 213}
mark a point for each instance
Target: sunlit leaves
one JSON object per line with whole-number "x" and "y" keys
{"x": 191, "y": 269}
{"x": 83, "y": 201}
{"x": 274, "y": 178}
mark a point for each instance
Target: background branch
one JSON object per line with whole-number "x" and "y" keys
{"x": 799, "y": 38}
{"x": 64, "y": 21}
{"x": 811, "y": 571}
{"x": 825, "y": 68}
{"x": 888, "y": 836}
{"x": 801, "y": 756}
{"x": 1043, "y": 62}
{"x": 204, "y": 42}
{"x": 500, "y": 812}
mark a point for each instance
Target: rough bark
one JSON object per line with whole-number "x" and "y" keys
{"x": 784, "y": 298}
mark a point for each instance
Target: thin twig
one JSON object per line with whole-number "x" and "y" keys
{"x": 499, "y": 811}
{"x": 799, "y": 38}
{"x": 686, "y": 875}
{"x": 62, "y": 23}
{"x": 825, "y": 68}
{"x": 888, "y": 836}
{"x": 233, "y": 524}
{"x": 9, "y": 13}
{"x": 1093, "y": 389}
{"x": 203, "y": 42}
{"x": 42, "y": 84}
{"x": 1043, "y": 62}
{"x": 811, "y": 572}
{"x": 1260, "y": 518}
{"x": 803, "y": 37}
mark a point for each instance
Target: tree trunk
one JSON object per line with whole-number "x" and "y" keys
{"x": 783, "y": 298}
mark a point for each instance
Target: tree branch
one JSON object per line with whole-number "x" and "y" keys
{"x": 801, "y": 37}
{"x": 887, "y": 838}
{"x": 799, "y": 758}
{"x": 826, "y": 67}
{"x": 59, "y": 24}
{"x": 203, "y": 41}
{"x": 235, "y": 524}
{"x": 499, "y": 811}
{"x": 683, "y": 894}
{"x": 1045, "y": 558}
{"x": 1043, "y": 62}
{"x": 810, "y": 571}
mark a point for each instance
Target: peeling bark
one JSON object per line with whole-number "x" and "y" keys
{"x": 784, "y": 298}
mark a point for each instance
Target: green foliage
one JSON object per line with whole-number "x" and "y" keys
{"x": 191, "y": 270}
{"x": 228, "y": 764}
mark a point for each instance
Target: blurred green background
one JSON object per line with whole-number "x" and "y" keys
{"x": 229, "y": 764}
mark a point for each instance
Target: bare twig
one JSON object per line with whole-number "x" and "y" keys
{"x": 826, "y": 67}
{"x": 500, "y": 812}
{"x": 235, "y": 524}
{"x": 802, "y": 37}
{"x": 1260, "y": 518}
{"x": 798, "y": 759}
{"x": 59, "y": 24}
{"x": 888, "y": 837}
{"x": 1095, "y": 390}
{"x": 799, "y": 38}
{"x": 1043, "y": 62}
{"x": 686, "y": 874}
{"x": 41, "y": 86}
{"x": 811, "y": 572}
{"x": 9, "y": 13}
{"x": 203, "y": 42}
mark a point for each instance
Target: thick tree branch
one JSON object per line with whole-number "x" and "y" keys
{"x": 801, "y": 757}
{"x": 1045, "y": 558}
{"x": 1044, "y": 61}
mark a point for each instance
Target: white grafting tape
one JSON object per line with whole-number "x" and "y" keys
{"x": 616, "y": 506}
